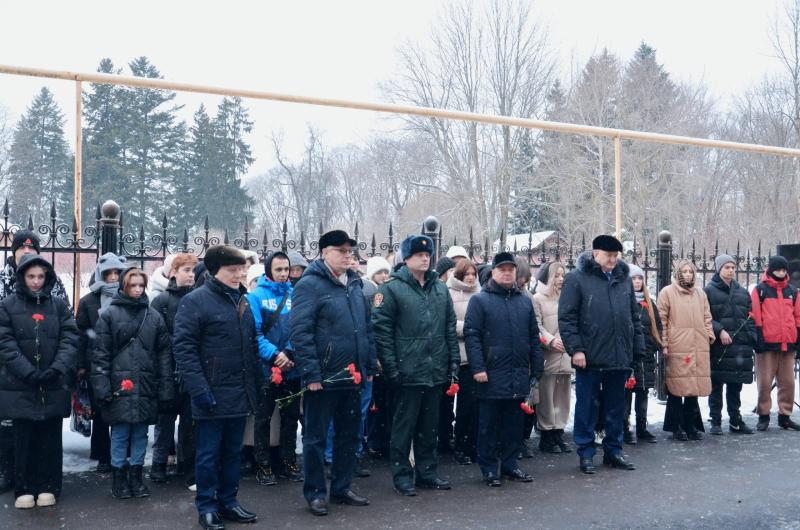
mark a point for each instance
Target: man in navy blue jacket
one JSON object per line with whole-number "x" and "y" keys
{"x": 329, "y": 331}
{"x": 216, "y": 352}
{"x": 502, "y": 341}
{"x": 598, "y": 318}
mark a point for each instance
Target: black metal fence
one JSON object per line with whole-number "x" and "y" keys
{"x": 68, "y": 245}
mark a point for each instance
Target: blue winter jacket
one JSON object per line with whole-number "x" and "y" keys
{"x": 502, "y": 339}
{"x": 264, "y": 301}
{"x": 330, "y": 327}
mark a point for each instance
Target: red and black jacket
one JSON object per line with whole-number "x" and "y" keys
{"x": 776, "y": 313}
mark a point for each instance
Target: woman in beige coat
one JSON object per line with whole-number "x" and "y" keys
{"x": 688, "y": 334}
{"x": 554, "y": 387}
{"x": 463, "y": 284}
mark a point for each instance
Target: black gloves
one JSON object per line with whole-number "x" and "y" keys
{"x": 205, "y": 402}
{"x": 50, "y": 375}
{"x": 454, "y": 371}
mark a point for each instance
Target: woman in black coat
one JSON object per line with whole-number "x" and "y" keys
{"x": 131, "y": 374}
{"x": 38, "y": 340}
{"x": 102, "y": 290}
{"x": 644, "y": 362}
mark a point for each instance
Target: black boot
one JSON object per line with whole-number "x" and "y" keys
{"x": 559, "y": 439}
{"x": 763, "y": 422}
{"x": 527, "y": 448}
{"x": 628, "y": 437}
{"x": 158, "y": 473}
{"x": 642, "y": 433}
{"x": 361, "y": 471}
{"x": 290, "y": 471}
{"x": 716, "y": 428}
{"x": 138, "y": 489}
{"x": 736, "y": 425}
{"x": 119, "y": 485}
{"x": 785, "y": 422}
{"x": 265, "y": 476}
{"x": 547, "y": 443}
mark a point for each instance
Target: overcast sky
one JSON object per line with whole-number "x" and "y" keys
{"x": 343, "y": 48}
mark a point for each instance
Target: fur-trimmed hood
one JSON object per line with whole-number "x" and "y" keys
{"x": 586, "y": 263}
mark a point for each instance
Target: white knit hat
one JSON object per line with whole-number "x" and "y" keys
{"x": 255, "y": 271}
{"x": 457, "y": 252}
{"x": 377, "y": 264}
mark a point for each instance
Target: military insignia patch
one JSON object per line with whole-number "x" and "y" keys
{"x": 378, "y": 300}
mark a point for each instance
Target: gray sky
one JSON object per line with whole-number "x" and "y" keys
{"x": 343, "y": 49}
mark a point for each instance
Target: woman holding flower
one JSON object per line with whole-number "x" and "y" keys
{"x": 131, "y": 373}
{"x": 38, "y": 355}
{"x": 686, "y": 319}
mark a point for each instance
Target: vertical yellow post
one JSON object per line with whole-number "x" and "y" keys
{"x": 618, "y": 186}
{"x": 76, "y": 192}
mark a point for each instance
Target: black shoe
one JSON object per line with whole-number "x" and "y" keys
{"x": 290, "y": 471}
{"x": 138, "y": 489}
{"x": 211, "y": 521}
{"x": 237, "y": 514}
{"x": 716, "y": 429}
{"x": 618, "y": 461}
{"x": 559, "y": 439}
{"x": 646, "y": 436}
{"x": 629, "y": 438}
{"x": 763, "y": 422}
{"x": 695, "y": 435}
{"x": 405, "y": 488}
{"x": 120, "y": 488}
{"x": 587, "y": 466}
{"x": 360, "y": 471}
{"x": 492, "y": 480}
{"x": 462, "y": 459}
{"x": 547, "y": 443}
{"x": 785, "y": 422}
{"x": 679, "y": 435}
{"x": 738, "y": 426}
{"x": 246, "y": 466}
{"x": 518, "y": 475}
{"x": 265, "y": 476}
{"x": 158, "y": 473}
{"x": 318, "y": 507}
{"x": 434, "y": 483}
{"x": 350, "y": 498}
{"x": 103, "y": 467}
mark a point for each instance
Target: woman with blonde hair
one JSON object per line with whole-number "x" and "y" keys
{"x": 688, "y": 334}
{"x": 554, "y": 388}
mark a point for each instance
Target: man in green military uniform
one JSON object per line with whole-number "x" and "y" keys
{"x": 415, "y": 333}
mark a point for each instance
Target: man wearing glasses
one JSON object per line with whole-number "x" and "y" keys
{"x": 330, "y": 330}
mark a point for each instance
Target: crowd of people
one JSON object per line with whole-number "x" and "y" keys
{"x": 405, "y": 361}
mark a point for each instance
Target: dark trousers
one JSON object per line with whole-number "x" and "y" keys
{"x": 7, "y": 449}
{"x": 344, "y": 407}
{"x": 38, "y": 457}
{"x": 379, "y": 426}
{"x": 219, "y": 454}
{"x": 683, "y": 413}
{"x": 466, "y": 428}
{"x": 733, "y": 399}
{"x": 591, "y": 385}
{"x": 100, "y": 445}
{"x": 164, "y": 438}
{"x": 499, "y": 435}
{"x": 186, "y": 435}
{"x": 446, "y": 418}
{"x": 416, "y": 418}
{"x": 640, "y": 407}
{"x": 290, "y": 415}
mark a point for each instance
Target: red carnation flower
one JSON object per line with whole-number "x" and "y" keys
{"x": 126, "y": 385}
{"x": 38, "y": 317}
{"x": 527, "y": 409}
{"x": 357, "y": 378}
{"x": 453, "y": 390}
{"x": 643, "y": 303}
{"x": 277, "y": 376}
{"x": 351, "y": 368}
{"x": 687, "y": 359}
{"x": 630, "y": 383}
{"x": 543, "y": 340}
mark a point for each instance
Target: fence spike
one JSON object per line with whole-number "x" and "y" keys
{"x": 226, "y": 237}
{"x": 53, "y": 210}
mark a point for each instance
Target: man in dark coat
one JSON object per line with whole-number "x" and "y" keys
{"x": 23, "y": 243}
{"x": 502, "y": 341}
{"x": 732, "y": 351}
{"x": 598, "y": 318}
{"x": 329, "y": 332}
{"x": 415, "y": 331}
{"x": 215, "y": 348}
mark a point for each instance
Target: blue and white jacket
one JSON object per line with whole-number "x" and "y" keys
{"x": 264, "y": 301}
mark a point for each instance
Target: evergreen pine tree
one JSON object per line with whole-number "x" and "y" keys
{"x": 40, "y": 168}
{"x": 195, "y": 188}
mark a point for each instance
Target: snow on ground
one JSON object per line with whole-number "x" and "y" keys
{"x": 76, "y": 447}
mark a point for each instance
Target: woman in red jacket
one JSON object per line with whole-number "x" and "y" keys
{"x": 776, "y": 313}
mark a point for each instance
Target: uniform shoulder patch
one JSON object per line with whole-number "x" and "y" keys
{"x": 378, "y": 300}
